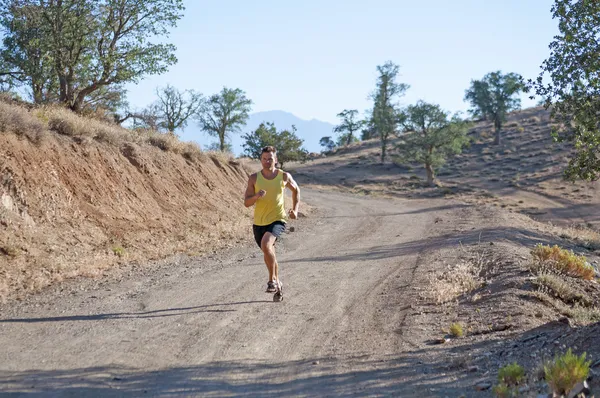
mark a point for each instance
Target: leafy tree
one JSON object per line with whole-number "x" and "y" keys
{"x": 66, "y": 50}
{"x": 385, "y": 116}
{"x": 327, "y": 143}
{"x": 570, "y": 84}
{"x": 288, "y": 144}
{"x": 368, "y": 131}
{"x": 175, "y": 107}
{"x": 431, "y": 137}
{"x": 224, "y": 114}
{"x": 346, "y": 139}
{"x": 348, "y": 127}
{"x": 494, "y": 96}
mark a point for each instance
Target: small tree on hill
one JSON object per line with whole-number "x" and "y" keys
{"x": 176, "y": 107}
{"x": 430, "y": 137}
{"x": 385, "y": 116}
{"x": 349, "y": 126}
{"x": 573, "y": 89}
{"x": 288, "y": 145}
{"x": 327, "y": 143}
{"x": 224, "y": 114}
{"x": 494, "y": 96}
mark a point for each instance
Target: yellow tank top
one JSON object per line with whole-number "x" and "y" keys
{"x": 269, "y": 208}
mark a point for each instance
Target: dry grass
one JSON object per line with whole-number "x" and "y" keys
{"x": 580, "y": 315}
{"x": 18, "y": 120}
{"x": 582, "y": 236}
{"x": 35, "y": 123}
{"x": 562, "y": 289}
{"x": 456, "y": 280}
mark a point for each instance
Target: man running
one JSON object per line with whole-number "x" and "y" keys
{"x": 265, "y": 190}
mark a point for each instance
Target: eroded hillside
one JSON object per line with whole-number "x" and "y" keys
{"x": 78, "y": 204}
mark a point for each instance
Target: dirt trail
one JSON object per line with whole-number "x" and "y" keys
{"x": 206, "y": 327}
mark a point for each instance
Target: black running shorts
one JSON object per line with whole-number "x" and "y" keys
{"x": 276, "y": 228}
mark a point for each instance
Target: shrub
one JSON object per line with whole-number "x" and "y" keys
{"x": 509, "y": 377}
{"x": 456, "y": 330}
{"x": 561, "y": 261}
{"x": 18, "y": 120}
{"x": 503, "y": 391}
{"x": 512, "y": 374}
{"x": 563, "y": 290}
{"x": 566, "y": 371}
{"x": 118, "y": 251}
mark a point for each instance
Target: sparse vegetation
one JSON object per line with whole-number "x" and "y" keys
{"x": 561, "y": 261}
{"x": 118, "y": 251}
{"x": 456, "y": 330}
{"x": 566, "y": 371}
{"x": 565, "y": 291}
{"x": 509, "y": 378}
{"x": 458, "y": 279}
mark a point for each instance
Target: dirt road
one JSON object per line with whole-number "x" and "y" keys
{"x": 205, "y": 326}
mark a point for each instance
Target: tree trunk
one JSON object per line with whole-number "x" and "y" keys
{"x": 497, "y": 133}
{"x": 383, "y": 145}
{"x": 430, "y": 174}
{"x": 222, "y": 140}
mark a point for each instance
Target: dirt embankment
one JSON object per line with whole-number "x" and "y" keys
{"x": 73, "y": 208}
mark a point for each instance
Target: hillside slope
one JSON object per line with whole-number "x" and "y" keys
{"x": 78, "y": 206}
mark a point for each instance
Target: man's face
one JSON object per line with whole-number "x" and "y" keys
{"x": 268, "y": 160}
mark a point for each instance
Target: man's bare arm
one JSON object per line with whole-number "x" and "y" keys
{"x": 293, "y": 186}
{"x": 250, "y": 197}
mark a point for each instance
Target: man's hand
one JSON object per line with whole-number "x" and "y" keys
{"x": 293, "y": 214}
{"x": 261, "y": 193}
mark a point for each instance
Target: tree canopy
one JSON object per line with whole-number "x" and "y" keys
{"x": 431, "y": 136}
{"x": 348, "y": 127}
{"x": 494, "y": 96}
{"x": 224, "y": 114}
{"x": 288, "y": 144}
{"x": 569, "y": 83}
{"x": 64, "y": 51}
{"x": 385, "y": 114}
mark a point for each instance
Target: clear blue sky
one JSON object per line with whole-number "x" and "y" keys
{"x": 317, "y": 58}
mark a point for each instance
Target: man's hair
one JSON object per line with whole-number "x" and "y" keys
{"x": 269, "y": 149}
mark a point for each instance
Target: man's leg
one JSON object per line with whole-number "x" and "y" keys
{"x": 267, "y": 245}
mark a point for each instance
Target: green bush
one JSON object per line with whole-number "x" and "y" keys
{"x": 566, "y": 371}
{"x": 512, "y": 374}
{"x": 456, "y": 330}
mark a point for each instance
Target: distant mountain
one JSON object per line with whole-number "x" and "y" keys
{"x": 311, "y": 131}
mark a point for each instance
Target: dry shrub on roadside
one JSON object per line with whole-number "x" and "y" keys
{"x": 559, "y": 287}
{"x": 18, "y": 120}
{"x": 583, "y": 236}
{"x": 168, "y": 142}
{"x": 65, "y": 122}
{"x": 560, "y": 261}
{"x": 192, "y": 151}
{"x": 579, "y": 314}
{"x": 223, "y": 157}
{"x": 458, "y": 279}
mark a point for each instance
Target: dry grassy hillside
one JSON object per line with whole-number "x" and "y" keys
{"x": 523, "y": 173}
{"x": 79, "y": 196}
